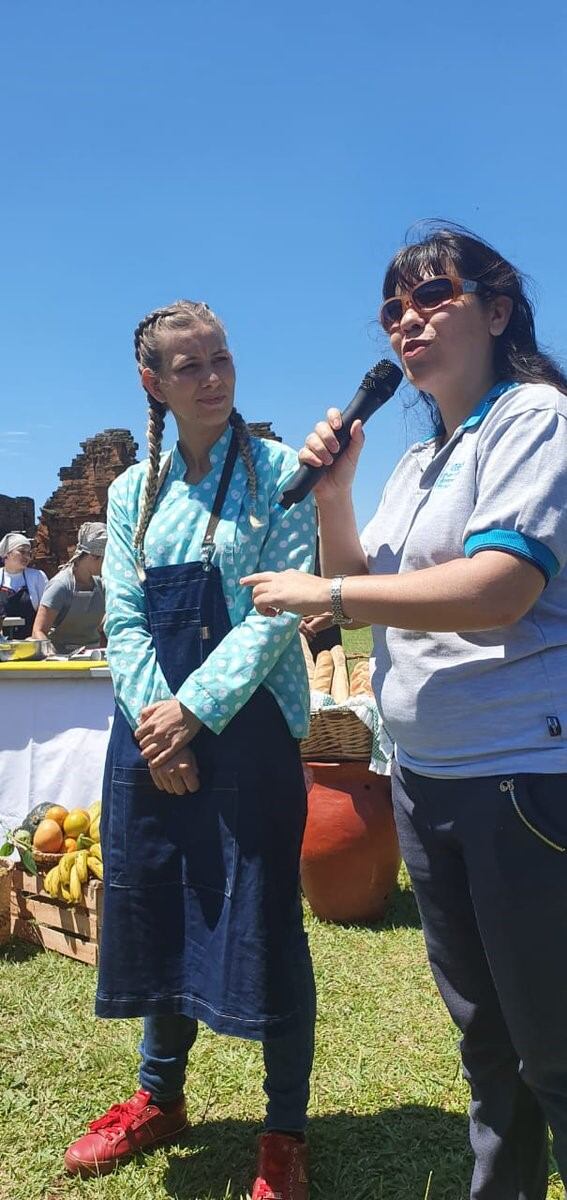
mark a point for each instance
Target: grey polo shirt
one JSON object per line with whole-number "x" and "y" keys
{"x": 465, "y": 704}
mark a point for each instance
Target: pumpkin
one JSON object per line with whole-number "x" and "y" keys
{"x": 35, "y": 815}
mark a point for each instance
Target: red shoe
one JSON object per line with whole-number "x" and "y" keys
{"x": 126, "y": 1128}
{"x": 282, "y": 1169}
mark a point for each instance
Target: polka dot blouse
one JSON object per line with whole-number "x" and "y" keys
{"x": 257, "y": 650}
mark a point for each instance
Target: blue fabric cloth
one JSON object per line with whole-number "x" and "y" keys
{"x": 255, "y": 649}
{"x": 202, "y": 909}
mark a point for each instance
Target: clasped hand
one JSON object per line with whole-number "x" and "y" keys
{"x": 163, "y": 735}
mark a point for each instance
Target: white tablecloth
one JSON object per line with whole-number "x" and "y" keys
{"x": 54, "y": 732}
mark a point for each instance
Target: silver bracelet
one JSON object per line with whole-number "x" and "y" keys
{"x": 337, "y": 610}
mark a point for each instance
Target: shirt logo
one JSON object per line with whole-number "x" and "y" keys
{"x": 448, "y": 475}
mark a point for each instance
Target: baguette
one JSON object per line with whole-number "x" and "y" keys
{"x": 360, "y": 679}
{"x": 339, "y": 685}
{"x": 323, "y": 676}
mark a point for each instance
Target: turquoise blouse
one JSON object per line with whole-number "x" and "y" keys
{"x": 258, "y": 650}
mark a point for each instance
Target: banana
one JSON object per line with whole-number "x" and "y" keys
{"x": 95, "y": 866}
{"x": 51, "y": 882}
{"x": 66, "y": 865}
{"x": 65, "y": 893}
{"x": 75, "y": 885}
{"x": 81, "y": 865}
{"x": 95, "y": 851}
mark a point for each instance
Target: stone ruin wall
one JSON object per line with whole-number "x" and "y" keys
{"x": 82, "y": 495}
{"x": 17, "y": 513}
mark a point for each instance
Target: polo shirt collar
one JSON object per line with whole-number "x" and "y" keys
{"x": 483, "y": 407}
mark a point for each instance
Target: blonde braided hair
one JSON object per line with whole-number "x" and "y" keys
{"x": 182, "y": 314}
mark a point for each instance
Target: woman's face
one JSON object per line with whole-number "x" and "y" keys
{"x": 17, "y": 560}
{"x": 197, "y": 377}
{"x": 441, "y": 347}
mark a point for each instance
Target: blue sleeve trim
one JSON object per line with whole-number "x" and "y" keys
{"x": 515, "y": 543}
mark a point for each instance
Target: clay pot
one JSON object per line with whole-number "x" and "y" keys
{"x": 350, "y": 856}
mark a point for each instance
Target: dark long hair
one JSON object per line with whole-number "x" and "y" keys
{"x": 452, "y": 250}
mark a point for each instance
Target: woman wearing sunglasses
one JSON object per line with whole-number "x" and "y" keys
{"x": 463, "y": 575}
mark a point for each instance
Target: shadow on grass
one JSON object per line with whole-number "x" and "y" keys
{"x": 390, "y": 1156}
{"x": 402, "y": 911}
{"x": 16, "y": 951}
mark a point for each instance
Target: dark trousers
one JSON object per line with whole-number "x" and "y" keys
{"x": 489, "y": 873}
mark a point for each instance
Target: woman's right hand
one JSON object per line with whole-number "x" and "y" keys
{"x": 320, "y": 447}
{"x": 179, "y": 774}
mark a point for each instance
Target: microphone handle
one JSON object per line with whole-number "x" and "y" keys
{"x": 361, "y": 407}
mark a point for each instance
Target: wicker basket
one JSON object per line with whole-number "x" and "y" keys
{"x": 45, "y": 861}
{"x": 5, "y": 889}
{"x": 336, "y": 735}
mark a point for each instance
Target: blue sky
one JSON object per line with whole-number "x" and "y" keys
{"x": 268, "y": 158}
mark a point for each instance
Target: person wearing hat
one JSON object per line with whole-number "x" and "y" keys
{"x": 72, "y": 606}
{"x": 21, "y": 586}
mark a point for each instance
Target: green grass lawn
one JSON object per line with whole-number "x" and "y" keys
{"x": 388, "y": 1104}
{"x": 357, "y": 641}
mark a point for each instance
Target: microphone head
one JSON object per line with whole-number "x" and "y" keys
{"x": 383, "y": 378}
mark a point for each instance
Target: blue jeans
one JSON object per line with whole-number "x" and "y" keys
{"x": 288, "y": 1060}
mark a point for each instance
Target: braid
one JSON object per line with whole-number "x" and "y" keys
{"x": 156, "y": 422}
{"x": 245, "y": 450}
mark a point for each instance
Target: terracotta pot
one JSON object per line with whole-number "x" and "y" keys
{"x": 350, "y": 856}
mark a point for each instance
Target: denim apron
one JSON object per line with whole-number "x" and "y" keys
{"x": 17, "y": 604}
{"x": 202, "y": 913}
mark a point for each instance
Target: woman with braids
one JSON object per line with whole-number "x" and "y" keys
{"x": 204, "y": 799}
{"x": 463, "y": 574}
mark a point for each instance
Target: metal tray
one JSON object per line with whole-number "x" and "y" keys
{"x": 24, "y": 650}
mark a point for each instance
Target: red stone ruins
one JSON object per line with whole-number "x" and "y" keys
{"x": 82, "y": 495}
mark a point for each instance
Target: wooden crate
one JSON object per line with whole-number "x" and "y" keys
{"x": 37, "y": 918}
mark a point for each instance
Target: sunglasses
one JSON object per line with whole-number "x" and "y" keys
{"x": 425, "y": 296}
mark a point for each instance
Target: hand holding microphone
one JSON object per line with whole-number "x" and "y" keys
{"x": 332, "y": 438}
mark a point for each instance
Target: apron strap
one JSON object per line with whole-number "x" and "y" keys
{"x": 208, "y": 543}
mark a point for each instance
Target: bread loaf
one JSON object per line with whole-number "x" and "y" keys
{"x": 360, "y": 679}
{"x": 323, "y": 676}
{"x": 339, "y": 685}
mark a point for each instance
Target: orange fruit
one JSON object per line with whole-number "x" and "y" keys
{"x": 76, "y": 822}
{"x": 48, "y": 837}
{"x": 56, "y": 813}
{"x": 69, "y": 845}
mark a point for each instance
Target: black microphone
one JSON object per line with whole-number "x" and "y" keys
{"x": 379, "y": 383}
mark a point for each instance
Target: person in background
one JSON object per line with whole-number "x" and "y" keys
{"x": 21, "y": 585}
{"x": 204, "y": 800}
{"x": 463, "y": 575}
{"x": 72, "y": 606}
